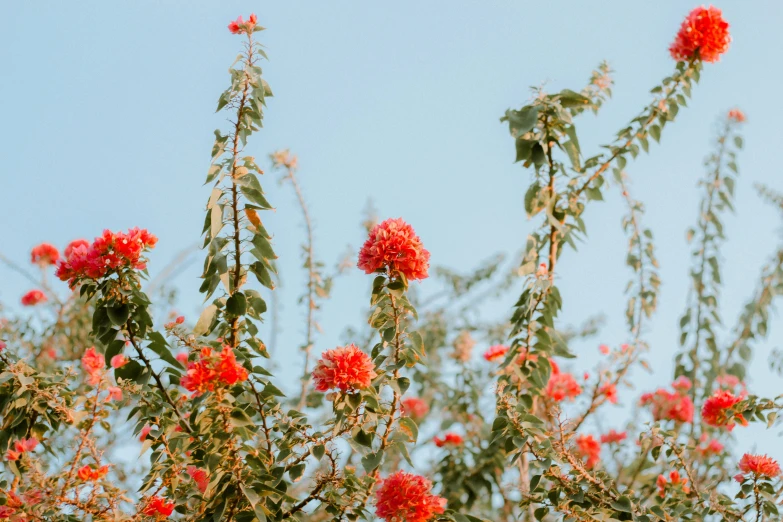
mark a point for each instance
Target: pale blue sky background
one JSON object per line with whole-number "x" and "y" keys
{"x": 108, "y": 119}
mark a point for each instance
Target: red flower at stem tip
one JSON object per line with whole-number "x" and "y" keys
{"x": 704, "y": 33}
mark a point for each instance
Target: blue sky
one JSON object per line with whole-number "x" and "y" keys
{"x": 108, "y": 120}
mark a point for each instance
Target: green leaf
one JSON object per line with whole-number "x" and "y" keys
{"x": 524, "y": 149}
{"x": 131, "y": 371}
{"x": 297, "y": 471}
{"x": 623, "y": 504}
{"x": 318, "y": 451}
{"x": 537, "y": 155}
{"x": 236, "y": 305}
{"x": 372, "y": 461}
{"x": 239, "y": 418}
{"x": 655, "y": 132}
{"x": 118, "y": 315}
{"x": 523, "y": 120}
{"x": 254, "y": 499}
{"x": 409, "y": 428}
{"x": 262, "y": 274}
{"x": 159, "y": 345}
{"x": 363, "y": 438}
{"x": 205, "y": 320}
{"x": 569, "y": 98}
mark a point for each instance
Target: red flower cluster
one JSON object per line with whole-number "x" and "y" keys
{"x": 345, "y": 367}
{"x": 613, "y": 437}
{"x": 737, "y": 115}
{"x": 666, "y": 405}
{"x": 588, "y": 448}
{"x": 44, "y": 255}
{"x": 33, "y": 297}
{"x": 394, "y": 245}
{"x": 561, "y": 386}
{"x": 110, "y": 252}
{"x": 704, "y": 31}
{"x": 496, "y": 352}
{"x": 200, "y": 477}
{"x": 21, "y": 446}
{"x": 414, "y": 408}
{"x": 718, "y": 410}
{"x": 93, "y": 364}
{"x": 674, "y": 480}
{"x": 239, "y": 26}
{"x": 86, "y": 473}
{"x": 449, "y": 439}
{"x": 759, "y": 465}
{"x": 405, "y": 496}
{"x": 212, "y": 370}
{"x": 157, "y": 506}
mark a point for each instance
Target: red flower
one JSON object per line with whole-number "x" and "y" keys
{"x": 450, "y": 439}
{"x": 33, "y": 297}
{"x": 604, "y": 349}
{"x": 21, "y": 446}
{"x": 682, "y": 384}
{"x": 718, "y": 410}
{"x": 589, "y": 448}
{"x": 393, "y": 245}
{"x": 157, "y": 506}
{"x": 93, "y": 363}
{"x": 496, "y": 352}
{"x": 613, "y": 437}
{"x": 182, "y": 357}
{"x": 239, "y": 26}
{"x": 345, "y": 367}
{"x": 111, "y": 252}
{"x": 44, "y": 255}
{"x": 74, "y": 244}
{"x": 115, "y": 394}
{"x": 674, "y": 479}
{"x": 405, "y": 496}
{"x": 414, "y": 408}
{"x": 562, "y": 386}
{"x": 118, "y": 361}
{"x": 86, "y": 473}
{"x": 200, "y": 477}
{"x": 737, "y": 115}
{"x": 213, "y": 370}
{"x": 144, "y": 432}
{"x": 713, "y": 447}
{"x": 759, "y": 465}
{"x": 704, "y": 31}
{"x": 610, "y": 390}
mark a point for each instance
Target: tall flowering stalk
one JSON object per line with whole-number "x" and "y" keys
{"x": 699, "y": 321}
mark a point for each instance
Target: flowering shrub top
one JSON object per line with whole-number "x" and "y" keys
{"x": 110, "y": 252}
{"x": 405, "y": 423}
